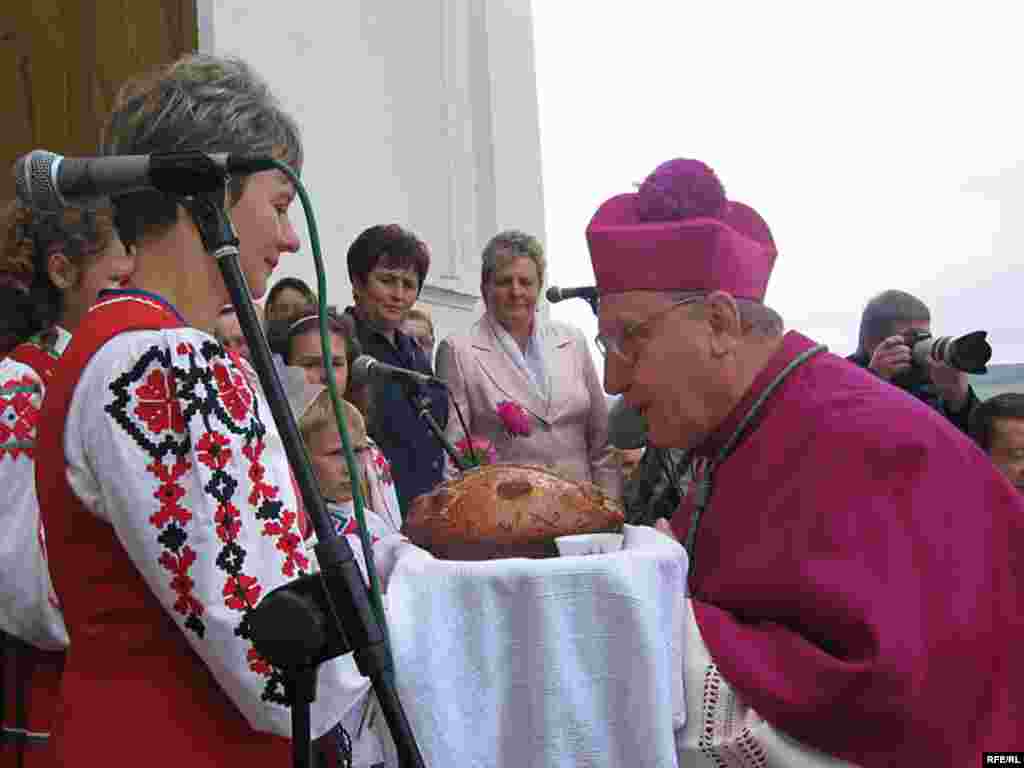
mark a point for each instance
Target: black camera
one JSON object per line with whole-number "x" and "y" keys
{"x": 969, "y": 353}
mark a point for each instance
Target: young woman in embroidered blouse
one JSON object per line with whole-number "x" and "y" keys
{"x": 181, "y": 512}
{"x": 52, "y": 266}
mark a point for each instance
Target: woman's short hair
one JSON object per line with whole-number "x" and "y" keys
{"x": 883, "y": 313}
{"x": 1009, "y": 405}
{"x": 508, "y": 245}
{"x": 29, "y": 301}
{"x": 200, "y": 102}
{"x": 387, "y": 245}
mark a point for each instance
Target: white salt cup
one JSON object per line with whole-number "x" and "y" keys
{"x": 589, "y": 544}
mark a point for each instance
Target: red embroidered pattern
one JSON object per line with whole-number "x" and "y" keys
{"x": 162, "y": 403}
{"x": 383, "y": 467}
{"x": 258, "y": 664}
{"x": 170, "y": 492}
{"x": 242, "y": 593}
{"x": 157, "y": 405}
{"x": 233, "y": 390}
{"x": 213, "y": 450}
{"x": 181, "y": 583}
{"x": 18, "y": 417}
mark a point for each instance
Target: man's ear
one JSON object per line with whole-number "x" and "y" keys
{"x": 61, "y": 271}
{"x": 723, "y": 317}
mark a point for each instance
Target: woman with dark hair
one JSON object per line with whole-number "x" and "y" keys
{"x": 387, "y": 265}
{"x": 52, "y": 267}
{"x": 287, "y": 298}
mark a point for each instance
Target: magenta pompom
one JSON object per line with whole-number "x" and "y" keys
{"x": 680, "y": 189}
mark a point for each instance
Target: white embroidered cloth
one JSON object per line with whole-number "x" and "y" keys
{"x": 568, "y": 661}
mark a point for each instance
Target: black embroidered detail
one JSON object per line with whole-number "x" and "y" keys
{"x": 222, "y": 486}
{"x": 164, "y": 400}
{"x": 193, "y": 623}
{"x": 269, "y": 510}
{"x": 173, "y": 537}
{"x": 231, "y": 558}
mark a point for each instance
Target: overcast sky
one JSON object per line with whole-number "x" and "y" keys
{"x": 882, "y": 142}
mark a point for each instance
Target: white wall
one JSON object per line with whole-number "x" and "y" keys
{"x": 421, "y": 113}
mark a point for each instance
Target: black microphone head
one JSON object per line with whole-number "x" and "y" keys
{"x": 554, "y": 294}
{"x": 362, "y": 369}
{"x": 35, "y": 180}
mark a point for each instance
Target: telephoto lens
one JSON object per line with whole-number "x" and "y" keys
{"x": 969, "y": 353}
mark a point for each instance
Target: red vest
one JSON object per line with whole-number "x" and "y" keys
{"x": 133, "y": 690}
{"x": 30, "y": 677}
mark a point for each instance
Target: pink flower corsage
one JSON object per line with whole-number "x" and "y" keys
{"x": 514, "y": 418}
{"x": 476, "y": 452}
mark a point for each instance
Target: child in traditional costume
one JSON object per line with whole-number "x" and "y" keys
{"x": 52, "y": 266}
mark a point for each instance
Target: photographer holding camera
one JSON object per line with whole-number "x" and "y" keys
{"x": 889, "y": 327}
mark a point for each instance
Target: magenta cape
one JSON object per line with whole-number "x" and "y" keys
{"x": 855, "y": 577}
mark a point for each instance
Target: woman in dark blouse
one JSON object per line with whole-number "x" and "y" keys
{"x": 387, "y": 265}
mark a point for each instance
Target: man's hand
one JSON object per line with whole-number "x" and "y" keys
{"x": 951, "y": 384}
{"x": 891, "y": 358}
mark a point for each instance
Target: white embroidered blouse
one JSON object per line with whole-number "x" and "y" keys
{"x": 169, "y": 442}
{"x": 28, "y": 606}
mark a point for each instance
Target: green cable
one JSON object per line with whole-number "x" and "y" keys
{"x": 325, "y": 350}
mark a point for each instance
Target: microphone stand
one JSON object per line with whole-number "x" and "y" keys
{"x": 318, "y": 617}
{"x": 421, "y": 404}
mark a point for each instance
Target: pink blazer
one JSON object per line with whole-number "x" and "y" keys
{"x": 569, "y": 432}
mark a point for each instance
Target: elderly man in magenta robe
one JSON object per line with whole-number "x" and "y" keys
{"x": 853, "y": 581}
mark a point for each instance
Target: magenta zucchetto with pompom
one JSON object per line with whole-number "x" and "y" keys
{"x": 679, "y": 232}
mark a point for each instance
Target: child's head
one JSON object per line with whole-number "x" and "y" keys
{"x": 323, "y": 443}
{"x": 54, "y": 264}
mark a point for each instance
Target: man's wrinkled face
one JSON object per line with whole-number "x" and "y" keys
{"x": 669, "y": 370}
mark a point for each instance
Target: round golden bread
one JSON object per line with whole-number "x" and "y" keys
{"x": 507, "y": 510}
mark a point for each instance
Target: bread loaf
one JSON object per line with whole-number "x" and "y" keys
{"x": 507, "y": 510}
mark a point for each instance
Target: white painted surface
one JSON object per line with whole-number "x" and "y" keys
{"x": 420, "y": 113}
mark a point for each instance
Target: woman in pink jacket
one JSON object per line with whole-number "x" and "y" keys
{"x": 526, "y": 385}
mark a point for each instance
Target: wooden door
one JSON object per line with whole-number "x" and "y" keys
{"x": 62, "y": 62}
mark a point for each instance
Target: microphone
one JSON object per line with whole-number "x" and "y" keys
{"x": 556, "y": 294}
{"x": 627, "y": 429}
{"x": 365, "y": 367}
{"x": 48, "y": 181}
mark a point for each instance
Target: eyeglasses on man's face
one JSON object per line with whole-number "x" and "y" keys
{"x": 614, "y": 344}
